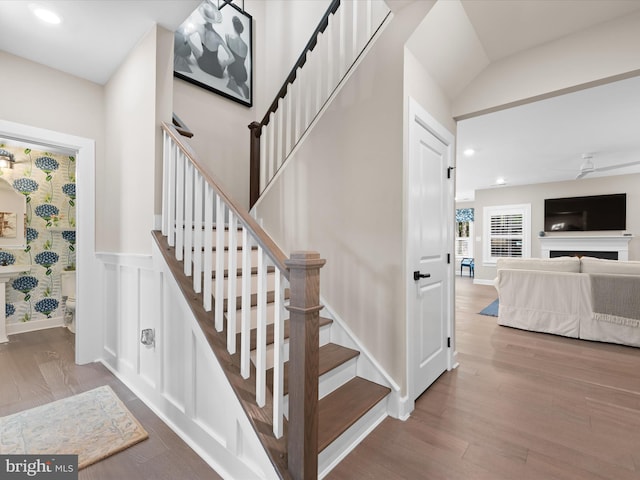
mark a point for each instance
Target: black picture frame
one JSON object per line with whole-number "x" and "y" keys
{"x": 222, "y": 25}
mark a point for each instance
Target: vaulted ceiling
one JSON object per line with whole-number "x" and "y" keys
{"x": 543, "y": 141}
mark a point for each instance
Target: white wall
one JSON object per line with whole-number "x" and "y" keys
{"x": 601, "y": 52}
{"x": 342, "y": 195}
{"x": 421, "y": 86}
{"x": 125, "y": 185}
{"x": 164, "y": 103}
{"x": 35, "y": 95}
{"x": 535, "y": 195}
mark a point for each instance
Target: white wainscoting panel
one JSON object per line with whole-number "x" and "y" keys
{"x": 179, "y": 378}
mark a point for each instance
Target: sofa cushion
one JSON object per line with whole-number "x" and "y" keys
{"x": 560, "y": 264}
{"x": 600, "y": 265}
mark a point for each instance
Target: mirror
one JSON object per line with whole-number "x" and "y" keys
{"x": 13, "y": 210}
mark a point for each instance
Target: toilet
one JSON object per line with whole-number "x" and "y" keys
{"x": 68, "y": 280}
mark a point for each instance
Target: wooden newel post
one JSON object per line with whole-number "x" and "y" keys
{"x": 254, "y": 163}
{"x": 304, "y": 338}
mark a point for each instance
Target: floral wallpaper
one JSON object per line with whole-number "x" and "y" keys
{"x": 48, "y": 181}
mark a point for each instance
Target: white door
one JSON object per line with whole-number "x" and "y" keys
{"x": 429, "y": 248}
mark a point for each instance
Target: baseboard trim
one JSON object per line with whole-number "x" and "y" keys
{"x": 33, "y": 325}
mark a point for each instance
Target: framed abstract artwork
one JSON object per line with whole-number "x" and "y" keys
{"x": 213, "y": 49}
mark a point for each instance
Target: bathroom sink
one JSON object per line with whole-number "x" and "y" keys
{"x": 8, "y": 271}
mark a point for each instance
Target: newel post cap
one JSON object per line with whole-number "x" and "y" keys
{"x": 256, "y": 128}
{"x": 304, "y": 260}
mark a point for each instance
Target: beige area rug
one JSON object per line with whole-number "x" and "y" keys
{"x": 93, "y": 425}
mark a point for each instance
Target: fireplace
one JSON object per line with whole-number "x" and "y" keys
{"x": 584, "y": 253}
{"x": 610, "y": 247}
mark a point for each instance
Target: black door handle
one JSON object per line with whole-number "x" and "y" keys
{"x": 417, "y": 275}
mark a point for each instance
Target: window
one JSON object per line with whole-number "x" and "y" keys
{"x": 506, "y": 232}
{"x": 464, "y": 232}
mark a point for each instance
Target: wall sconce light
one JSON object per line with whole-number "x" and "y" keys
{"x": 6, "y": 159}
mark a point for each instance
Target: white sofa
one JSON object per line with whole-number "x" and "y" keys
{"x": 586, "y": 298}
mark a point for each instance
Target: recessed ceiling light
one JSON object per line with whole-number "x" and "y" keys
{"x": 44, "y": 14}
{"x": 501, "y": 181}
{"x": 469, "y": 152}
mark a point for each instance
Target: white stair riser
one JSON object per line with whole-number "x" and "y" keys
{"x": 226, "y": 238}
{"x": 271, "y": 280}
{"x": 325, "y": 337}
{"x": 225, "y": 263}
{"x": 345, "y": 443}
{"x": 213, "y": 236}
{"x": 253, "y": 315}
{"x": 332, "y": 380}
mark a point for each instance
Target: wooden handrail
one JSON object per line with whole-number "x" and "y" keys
{"x": 181, "y": 127}
{"x": 301, "y": 59}
{"x": 256, "y": 127}
{"x": 274, "y": 252}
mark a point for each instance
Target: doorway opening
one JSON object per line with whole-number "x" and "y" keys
{"x": 59, "y": 178}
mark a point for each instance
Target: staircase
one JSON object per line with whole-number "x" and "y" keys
{"x": 300, "y": 390}
{"x": 259, "y": 308}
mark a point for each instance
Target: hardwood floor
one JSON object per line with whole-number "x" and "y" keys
{"x": 521, "y": 405}
{"x": 38, "y": 367}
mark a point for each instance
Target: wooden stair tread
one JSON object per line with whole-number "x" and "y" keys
{"x": 253, "y": 338}
{"x": 330, "y": 357}
{"x": 344, "y": 406}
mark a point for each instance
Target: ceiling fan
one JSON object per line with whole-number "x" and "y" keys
{"x": 588, "y": 167}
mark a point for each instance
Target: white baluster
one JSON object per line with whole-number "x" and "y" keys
{"x": 306, "y": 87}
{"x": 188, "y": 219}
{"x": 171, "y": 238}
{"x": 321, "y": 82}
{"x": 261, "y": 337}
{"x": 208, "y": 247}
{"x": 270, "y": 148}
{"x": 299, "y": 109}
{"x": 231, "y": 283}
{"x": 344, "y": 16}
{"x": 280, "y": 132}
{"x": 310, "y": 86}
{"x": 275, "y": 120}
{"x": 245, "y": 322}
{"x": 219, "y": 294}
{"x": 275, "y": 123}
{"x": 286, "y": 119}
{"x": 368, "y": 20}
{"x": 278, "y": 357}
{"x": 263, "y": 159}
{"x": 197, "y": 229}
{"x": 180, "y": 206}
{"x": 291, "y": 120}
{"x": 331, "y": 55}
{"x": 166, "y": 179}
{"x": 355, "y": 31}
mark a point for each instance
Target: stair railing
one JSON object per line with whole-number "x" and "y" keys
{"x": 194, "y": 206}
{"x": 342, "y": 35}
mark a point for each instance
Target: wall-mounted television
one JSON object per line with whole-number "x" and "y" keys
{"x": 584, "y": 214}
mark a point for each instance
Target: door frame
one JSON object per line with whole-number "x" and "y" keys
{"x": 88, "y": 341}
{"x": 417, "y": 114}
